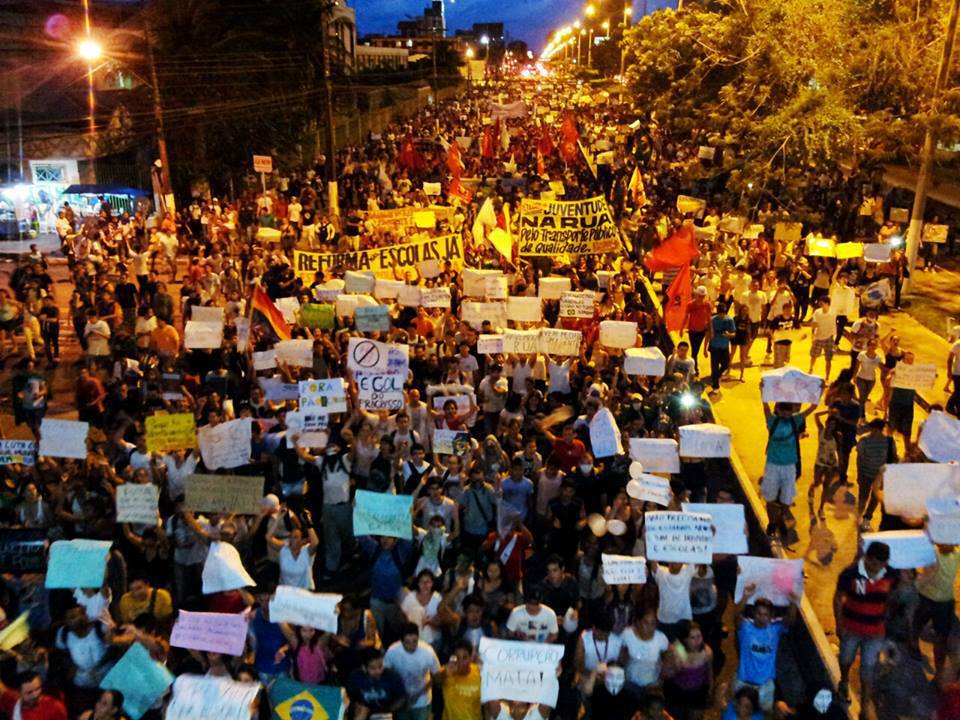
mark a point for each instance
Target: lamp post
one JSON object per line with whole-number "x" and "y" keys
{"x": 580, "y": 33}
{"x": 589, "y": 11}
{"x": 627, "y": 12}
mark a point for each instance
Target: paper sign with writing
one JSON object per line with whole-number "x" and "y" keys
{"x": 521, "y": 671}
{"x": 211, "y": 698}
{"x": 205, "y": 314}
{"x": 211, "y": 632}
{"x": 265, "y": 360}
{"x": 429, "y": 269}
{"x": 524, "y": 309}
{"x": 387, "y": 289}
{"x": 171, "y": 432}
{"x": 474, "y": 281}
{"x": 307, "y": 421}
{"x": 23, "y": 550}
{"x": 381, "y": 514}
{"x": 358, "y": 282}
{"x": 618, "y": 333}
{"x": 577, "y": 304}
{"x": 553, "y": 288}
{"x": 909, "y": 549}
{"x": 240, "y": 494}
{"x": 775, "y": 579}
{"x": 77, "y": 563}
{"x": 297, "y": 352}
{"x": 438, "y": 297}
{"x": 940, "y": 437}
{"x": 490, "y": 344}
{"x": 202, "y": 335}
{"x": 496, "y": 287}
{"x": 624, "y": 569}
{"x": 474, "y": 313}
{"x": 605, "y": 440}
{"x": 877, "y": 252}
{"x": 63, "y": 438}
{"x": 650, "y": 488}
{"x": 705, "y": 440}
{"x": 323, "y": 396}
{"x": 521, "y": 342}
{"x": 679, "y": 537}
{"x": 372, "y": 356}
{"x": 408, "y": 296}
{"x": 935, "y": 233}
{"x": 729, "y": 524}
{"x": 451, "y": 442}
{"x": 899, "y": 215}
{"x": 346, "y": 305}
{"x": 276, "y": 390}
{"x": 226, "y": 445}
{"x": 644, "y": 361}
{"x": 565, "y": 343}
{"x": 908, "y": 486}
{"x": 301, "y": 607}
{"x": 379, "y": 391}
{"x": 141, "y": 679}
{"x": 788, "y": 231}
{"x": 317, "y": 316}
{"x": 137, "y": 503}
{"x": 687, "y": 204}
{"x": 372, "y": 318}
{"x": 918, "y": 376}
{"x": 17, "y": 452}
{"x": 223, "y": 569}
{"x": 790, "y": 385}
{"x": 943, "y": 520}
{"x": 656, "y": 454}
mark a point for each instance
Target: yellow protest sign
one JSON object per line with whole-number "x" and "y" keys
{"x": 581, "y": 227}
{"x": 171, "y": 432}
{"x": 384, "y": 260}
{"x": 401, "y": 220}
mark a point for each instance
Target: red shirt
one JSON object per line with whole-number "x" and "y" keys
{"x": 864, "y": 609}
{"x": 698, "y": 315}
{"x": 47, "y": 709}
{"x": 568, "y": 455}
{"x": 513, "y": 567}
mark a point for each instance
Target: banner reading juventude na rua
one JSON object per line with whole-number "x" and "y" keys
{"x": 580, "y": 227}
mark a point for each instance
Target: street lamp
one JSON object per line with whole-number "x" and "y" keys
{"x": 627, "y": 12}
{"x": 89, "y": 50}
{"x": 606, "y": 28}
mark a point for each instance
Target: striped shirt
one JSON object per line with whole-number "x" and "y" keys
{"x": 865, "y": 601}
{"x": 873, "y": 452}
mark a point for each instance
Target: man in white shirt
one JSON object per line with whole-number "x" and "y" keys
{"x": 97, "y": 334}
{"x": 416, "y": 663}
{"x": 533, "y": 620}
{"x": 823, "y": 325}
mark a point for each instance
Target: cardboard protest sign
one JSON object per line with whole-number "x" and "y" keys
{"x": 788, "y": 231}
{"x": 475, "y": 281}
{"x": 323, "y": 396}
{"x": 679, "y": 537}
{"x": 240, "y": 494}
{"x": 940, "y": 437}
{"x": 379, "y": 391}
{"x": 382, "y": 261}
{"x": 318, "y": 316}
{"x": 790, "y": 385}
{"x": 908, "y": 486}
{"x": 496, "y": 287}
{"x": 899, "y": 215}
{"x": 438, "y": 297}
{"x": 206, "y": 314}
{"x": 77, "y": 563}
{"x": 553, "y": 288}
{"x": 223, "y": 569}
{"x": 656, "y": 454}
{"x": 226, "y": 445}
{"x": 171, "y": 432}
{"x": 704, "y": 440}
{"x": 210, "y": 632}
{"x": 409, "y": 296}
{"x": 521, "y": 671}
{"x": 301, "y": 607}
{"x": 650, "y": 488}
{"x": 202, "y": 335}
{"x": 474, "y": 313}
{"x": 297, "y": 352}
{"x": 577, "y": 304}
{"x": 371, "y": 356}
{"x": 580, "y": 227}
{"x": 16, "y": 632}
{"x": 729, "y": 524}
{"x": 847, "y": 250}
{"x": 605, "y": 440}
{"x": 381, "y": 514}
{"x": 909, "y": 549}
{"x": 307, "y": 421}
{"x": 877, "y": 252}
{"x": 521, "y": 342}
{"x": 922, "y": 376}
{"x": 329, "y": 291}
{"x": 289, "y": 307}
{"x": 293, "y": 700}
{"x": 775, "y": 579}
{"x": 141, "y": 679}
{"x": 372, "y": 318}
{"x": 935, "y": 233}
{"x": 17, "y": 452}
{"x": 490, "y": 344}
{"x": 276, "y": 390}
{"x": 644, "y": 361}
{"x": 733, "y": 224}
{"x": 63, "y": 438}
{"x": 358, "y": 282}
{"x": 524, "y": 309}
{"x": 943, "y": 520}
{"x": 387, "y": 289}
{"x": 820, "y": 246}
{"x": 618, "y": 333}
{"x": 563, "y": 343}
{"x": 211, "y": 698}
{"x": 690, "y": 205}
{"x": 23, "y": 550}
{"x": 137, "y": 503}
{"x": 451, "y": 442}
{"x": 623, "y": 569}
{"x": 346, "y": 306}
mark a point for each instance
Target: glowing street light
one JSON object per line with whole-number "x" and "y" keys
{"x": 470, "y": 53}
{"x": 589, "y": 11}
{"x": 90, "y": 50}
{"x": 484, "y": 40}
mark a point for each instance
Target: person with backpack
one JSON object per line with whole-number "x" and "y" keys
{"x": 874, "y": 450}
{"x": 391, "y": 561}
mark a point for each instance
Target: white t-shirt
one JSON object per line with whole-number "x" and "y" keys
{"x": 415, "y": 669}
{"x": 98, "y": 337}
{"x": 559, "y": 376}
{"x": 862, "y": 331}
{"x": 867, "y": 366}
{"x": 824, "y": 324}
{"x": 420, "y": 614}
{"x": 87, "y": 654}
{"x": 643, "y": 663}
{"x": 674, "y": 594}
{"x": 842, "y": 299}
{"x": 533, "y": 627}
{"x": 755, "y": 302}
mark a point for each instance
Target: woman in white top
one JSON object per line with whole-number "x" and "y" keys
{"x": 644, "y": 649}
{"x": 296, "y": 558}
{"x": 865, "y": 370}
{"x": 596, "y": 649}
{"x": 420, "y": 606}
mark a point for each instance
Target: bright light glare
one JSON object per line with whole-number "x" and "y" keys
{"x": 896, "y": 241}
{"x": 484, "y": 40}
{"x": 470, "y": 52}
{"x": 589, "y": 10}
{"x": 628, "y": 11}
{"x": 89, "y": 50}
{"x": 687, "y": 400}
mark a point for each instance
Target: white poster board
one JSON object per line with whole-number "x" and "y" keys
{"x": 918, "y": 376}
{"x": 490, "y": 344}
{"x": 298, "y": 352}
{"x": 939, "y": 437}
{"x": 679, "y": 537}
{"x": 704, "y": 440}
{"x": 211, "y": 698}
{"x": 650, "y": 488}
{"x": 521, "y": 671}
{"x": 356, "y": 281}
{"x": 790, "y": 385}
{"x": 226, "y": 445}
{"x": 438, "y": 297}
{"x": 618, "y": 333}
{"x": 524, "y": 309}
{"x": 644, "y": 361}
{"x": 729, "y": 524}
{"x": 623, "y": 569}
{"x": 656, "y": 454}
{"x": 909, "y": 549}
{"x": 908, "y": 486}
{"x": 605, "y": 440}
{"x": 323, "y": 396}
{"x": 775, "y": 579}
{"x": 137, "y": 503}
{"x": 521, "y": 342}
{"x": 577, "y": 304}
{"x": 553, "y": 288}
{"x": 564, "y": 343}
{"x": 63, "y": 438}
{"x": 301, "y": 607}
{"x": 202, "y": 335}
{"x": 223, "y": 569}
{"x": 474, "y": 313}
{"x": 943, "y": 520}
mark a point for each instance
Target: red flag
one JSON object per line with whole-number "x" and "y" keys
{"x": 678, "y": 297}
{"x": 486, "y": 143}
{"x": 409, "y": 157}
{"x": 262, "y": 304}
{"x": 541, "y": 165}
{"x": 459, "y": 192}
{"x": 454, "y": 161}
{"x": 569, "y": 143}
{"x": 545, "y": 144}
{"x": 678, "y": 249}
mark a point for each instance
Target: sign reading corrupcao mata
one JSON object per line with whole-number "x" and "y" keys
{"x": 384, "y": 260}
{"x": 554, "y": 227}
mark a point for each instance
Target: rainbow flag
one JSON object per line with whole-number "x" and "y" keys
{"x": 262, "y": 304}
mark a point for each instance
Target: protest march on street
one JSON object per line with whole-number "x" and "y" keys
{"x": 467, "y": 447}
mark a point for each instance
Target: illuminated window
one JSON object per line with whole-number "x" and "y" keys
{"x": 49, "y": 173}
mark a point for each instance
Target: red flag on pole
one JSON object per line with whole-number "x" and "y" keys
{"x": 409, "y": 157}
{"x": 678, "y": 249}
{"x": 454, "y": 161}
{"x": 678, "y": 297}
{"x": 545, "y": 144}
{"x": 486, "y": 143}
{"x": 569, "y": 143}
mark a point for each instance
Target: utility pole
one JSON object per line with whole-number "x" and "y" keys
{"x": 929, "y": 148}
{"x": 167, "y": 184}
{"x": 331, "y": 165}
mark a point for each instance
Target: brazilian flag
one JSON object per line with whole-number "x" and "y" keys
{"x": 292, "y": 700}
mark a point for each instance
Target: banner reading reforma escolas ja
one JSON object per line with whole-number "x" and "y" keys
{"x": 554, "y": 227}
{"x": 384, "y": 260}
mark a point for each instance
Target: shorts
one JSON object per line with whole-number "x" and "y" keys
{"x": 869, "y": 647}
{"x": 941, "y": 612}
{"x": 767, "y": 691}
{"x": 822, "y": 346}
{"x": 755, "y": 329}
{"x": 828, "y": 469}
{"x": 900, "y": 418}
{"x": 779, "y": 483}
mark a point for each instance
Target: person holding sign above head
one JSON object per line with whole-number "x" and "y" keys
{"x": 298, "y": 552}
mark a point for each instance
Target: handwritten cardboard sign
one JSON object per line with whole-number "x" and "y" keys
{"x": 940, "y": 437}
{"x": 137, "y": 503}
{"x": 17, "y": 452}
{"x": 177, "y": 431}
{"x": 301, "y": 607}
{"x": 656, "y": 454}
{"x": 790, "y": 385}
{"x": 77, "y": 563}
{"x": 381, "y": 514}
{"x": 624, "y": 569}
{"x": 323, "y": 397}
{"x": 679, "y": 537}
{"x": 729, "y": 524}
{"x": 521, "y": 671}
{"x": 918, "y": 376}
{"x": 211, "y": 632}
{"x": 577, "y": 304}
{"x": 775, "y": 579}
{"x": 226, "y": 445}
{"x": 704, "y": 440}
{"x": 63, "y": 438}
{"x": 644, "y": 361}
{"x": 909, "y": 549}
{"x": 240, "y": 494}
{"x": 908, "y": 486}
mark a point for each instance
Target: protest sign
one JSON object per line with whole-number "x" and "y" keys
{"x": 211, "y": 632}
{"x": 23, "y": 550}
{"x": 384, "y": 289}
{"x": 490, "y": 344}
{"x": 656, "y": 454}
{"x": 226, "y": 445}
{"x": 690, "y": 205}
{"x": 521, "y": 671}
{"x": 379, "y": 391}
{"x": 678, "y": 537}
{"x": 318, "y": 316}
{"x": 276, "y": 390}
{"x": 475, "y": 281}
{"x": 935, "y": 233}
{"x": 775, "y": 579}
{"x": 605, "y": 440}
{"x": 301, "y": 607}
{"x": 577, "y": 304}
{"x": 381, "y": 514}
{"x": 451, "y": 442}
{"x": 496, "y": 287}
{"x": 240, "y": 494}
{"x": 243, "y": 332}
{"x": 790, "y": 385}
{"x": 580, "y": 227}
{"x": 733, "y": 224}
{"x": 289, "y": 307}
{"x": 307, "y": 421}
{"x": 429, "y": 269}
{"x": 729, "y": 525}
{"x": 788, "y": 231}
{"x": 752, "y": 232}
{"x": 171, "y": 432}
{"x": 916, "y": 376}
{"x": 644, "y": 361}
{"x": 565, "y": 343}
{"x": 623, "y": 569}
{"x": 372, "y": 318}
{"x": 371, "y": 356}
{"x": 223, "y": 569}
{"x": 137, "y": 503}
{"x": 907, "y": 486}
{"x": 205, "y": 314}
{"x": 408, "y": 296}
{"x": 521, "y": 342}
{"x": 438, "y": 297}
{"x": 909, "y": 549}
{"x": 618, "y": 333}
{"x": 142, "y": 680}
{"x": 704, "y": 440}
{"x": 463, "y": 403}
{"x": 212, "y": 698}
{"x": 358, "y": 282}
{"x": 940, "y": 437}
{"x": 63, "y": 438}
{"x": 202, "y": 335}
{"x": 329, "y": 291}
{"x": 899, "y": 215}
{"x": 820, "y": 246}
{"x": 848, "y": 250}
{"x": 508, "y": 111}
{"x": 474, "y": 313}
{"x": 524, "y": 309}
{"x": 553, "y": 288}
{"x": 384, "y": 261}
{"x": 346, "y": 306}
{"x": 323, "y": 396}
{"x": 652, "y": 488}
{"x": 77, "y": 563}
{"x": 18, "y": 452}
{"x": 877, "y": 252}
{"x": 298, "y": 352}
{"x": 293, "y": 700}
{"x": 943, "y": 520}
{"x": 16, "y": 632}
